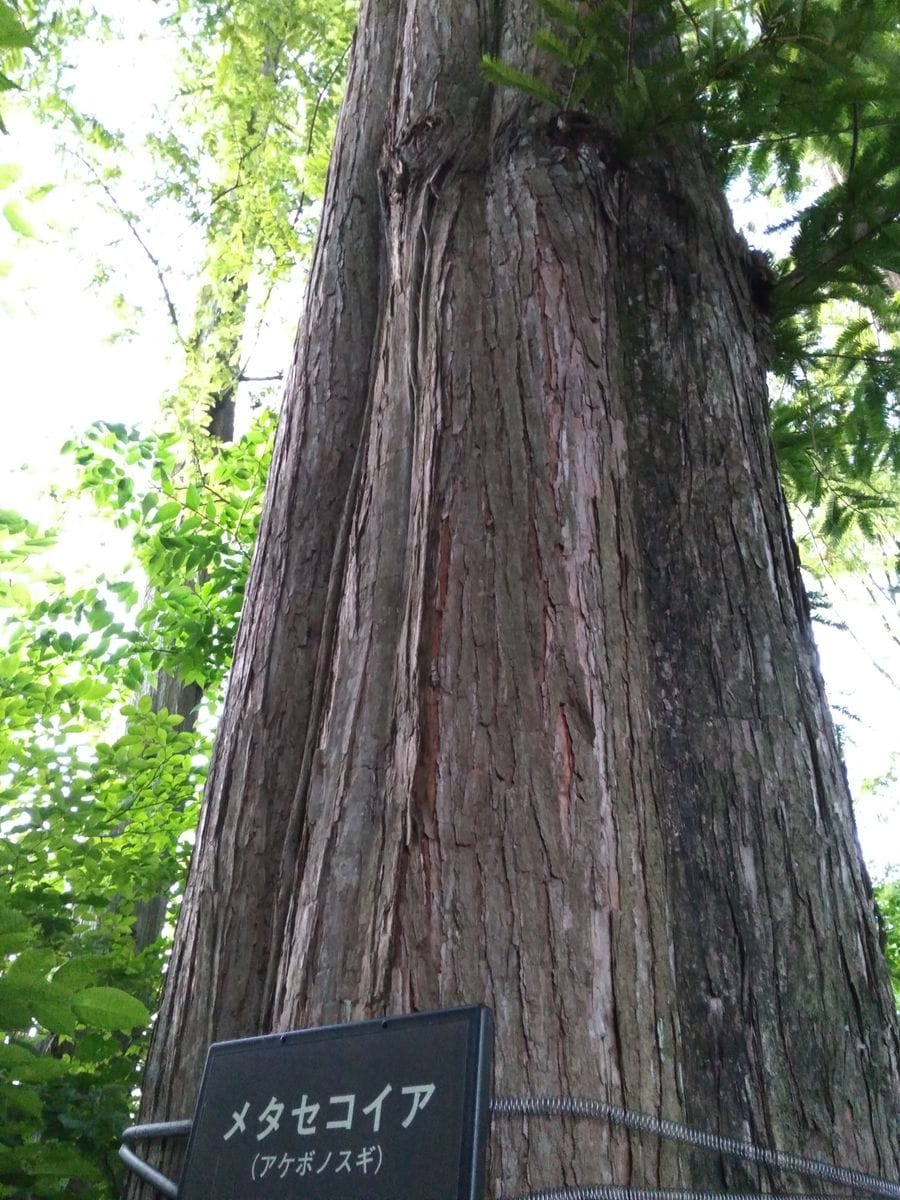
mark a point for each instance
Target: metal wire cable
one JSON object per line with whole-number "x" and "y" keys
{"x": 143, "y": 1170}
{"x": 599, "y": 1110}
{"x": 609, "y": 1192}
{"x": 148, "y": 1174}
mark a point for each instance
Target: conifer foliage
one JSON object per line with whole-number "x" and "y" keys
{"x": 101, "y": 791}
{"x": 788, "y": 93}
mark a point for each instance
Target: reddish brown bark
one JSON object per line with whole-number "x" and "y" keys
{"x": 525, "y": 708}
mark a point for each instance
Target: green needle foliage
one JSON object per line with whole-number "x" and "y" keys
{"x": 888, "y": 896}
{"x": 202, "y": 530}
{"x": 100, "y": 788}
{"x": 781, "y": 91}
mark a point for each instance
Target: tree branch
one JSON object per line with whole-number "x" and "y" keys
{"x": 321, "y": 96}
{"x": 129, "y": 221}
{"x": 864, "y": 232}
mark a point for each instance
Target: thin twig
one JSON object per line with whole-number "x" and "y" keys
{"x": 855, "y": 145}
{"x": 129, "y": 221}
{"x": 879, "y": 597}
{"x": 881, "y": 357}
{"x": 793, "y": 137}
{"x": 837, "y": 587}
{"x": 865, "y": 233}
{"x": 321, "y": 96}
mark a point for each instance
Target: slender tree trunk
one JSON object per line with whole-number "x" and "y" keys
{"x": 170, "y": 692}
{"x": 525, "y": 707}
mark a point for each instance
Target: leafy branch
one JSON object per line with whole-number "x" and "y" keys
{"x": 778, "y": 88}
{"x": 132, "y": 226}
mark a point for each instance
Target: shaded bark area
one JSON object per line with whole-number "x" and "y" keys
{"x": 787, "y": 1031}
{"x": 525, "y": 708}
{"x": 232, "y": 914}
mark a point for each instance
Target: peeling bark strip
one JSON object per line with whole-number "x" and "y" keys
{"x": 524, "y": 707}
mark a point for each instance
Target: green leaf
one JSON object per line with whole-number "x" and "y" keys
{"x": 110, "y": 1008}
{"x": 11, "y": 943}
{"x": 23, "y": 1100}
{"x": 77, "y": 974}
{"x": 168, "y": 511}
{"x": 19, "y": 1062}
{"x": 96, "y": 1048}
{"x": 501, "y": 74}
{"x": 12, "y": 920}
{"x": 31, "y": 966}
{"x": 60, "y": 1161}
{"x": 52, "y": 1010}
{"x": 16, "y": 1010}
{"x": 13, "y": 33}
{"x": 16, "y": 221}
{"x": 12, "y": 521}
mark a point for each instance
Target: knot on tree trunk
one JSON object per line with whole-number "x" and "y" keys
{"x": 420, "y": 151}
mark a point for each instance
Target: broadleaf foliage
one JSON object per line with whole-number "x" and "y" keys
{"x": 101, "y": 786}
{"x": 101, "y": 782}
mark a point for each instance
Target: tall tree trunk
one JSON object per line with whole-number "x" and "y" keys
{"x": 525, "y": 707}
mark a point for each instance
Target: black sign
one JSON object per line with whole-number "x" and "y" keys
{"x": 380, "y": 1110}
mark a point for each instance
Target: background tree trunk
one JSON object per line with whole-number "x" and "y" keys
{"x": 170, "y": 692}
{"x": 525, "y": 708}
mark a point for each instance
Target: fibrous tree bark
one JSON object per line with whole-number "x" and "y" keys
{"x": 525, "y": 707}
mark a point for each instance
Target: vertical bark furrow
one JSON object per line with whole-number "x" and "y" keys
{"x": 573, "y": 758}
{"x": 747, "y": 662}
{"x": 218, "y": 968}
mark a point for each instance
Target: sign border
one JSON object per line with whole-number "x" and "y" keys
{"x": 476, "y": 1093}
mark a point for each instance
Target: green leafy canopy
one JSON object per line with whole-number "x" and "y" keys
{"x": 14, "y": 38}
{"x": 100, "y": 781}
{"x": 101, "y": 787}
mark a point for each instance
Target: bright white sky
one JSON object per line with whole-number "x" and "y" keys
{"x": 61, "y": 370}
